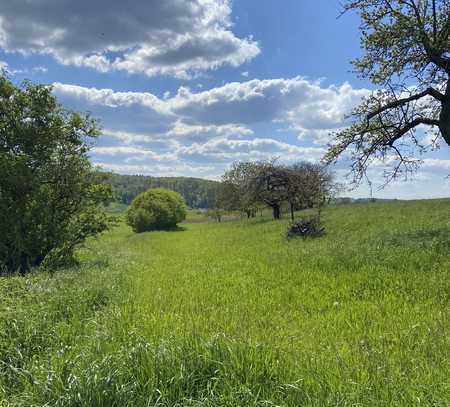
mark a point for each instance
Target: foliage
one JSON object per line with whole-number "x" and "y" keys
{"x": 248, "y": 185}
{"x": 231, "y": 315}
{"x": 307, "y": 227}
{"x": 407, "y": 45}
{"x": 50, "y": 198}
{"x": 234, "y": 193}
{"x": 156, "y": 209}
{"x": 309, "y": 186}
{"x": 198, "y": 193}
{"x": 215, "y": 213}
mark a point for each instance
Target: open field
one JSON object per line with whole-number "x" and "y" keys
{"x": 232, "y": 314}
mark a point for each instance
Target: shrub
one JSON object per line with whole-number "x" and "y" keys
{"x": 308, "y": 227}
{"x": 156, "y": 209}
{"x": 50, "y": 198}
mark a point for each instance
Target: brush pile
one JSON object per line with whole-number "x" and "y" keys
{"x": 308, "y": 227}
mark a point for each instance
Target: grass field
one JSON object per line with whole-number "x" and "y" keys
{"x": 233, "y": 314}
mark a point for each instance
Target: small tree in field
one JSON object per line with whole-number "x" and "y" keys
{"x": 50, "y": 197}
{"x": 268, "y": 183}
{"x": 156, "y": 209}
{"x": 249, "y": 185}
{"x": 308, "y": 186}
{"x": 234, "y": 193}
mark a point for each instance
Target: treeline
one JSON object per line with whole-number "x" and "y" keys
{"x": 198, "y": 193}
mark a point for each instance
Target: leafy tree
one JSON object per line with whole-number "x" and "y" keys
{"x": 407, "y": 55}
{"x": 156, "y": 209}
{"x": 215, "y": 213}
{"x": 308, "y": 186}
{"x": 50, "y": 198}
{"x": 248, "y": 185}
{"x": 235, "y": 193}
{"x": 268, "y": 183}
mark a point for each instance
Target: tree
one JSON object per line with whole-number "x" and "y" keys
{"x": 234, "y": 193}
{"x": 248, "y": 185}
{"x": 268, "y": 184}
{"x": 156, "y": 209}
{"x": 50, "y": 197}
{"x": 407, "y": 55}
{"x": 215, "y": 213}
{"x": 308, "y": 186}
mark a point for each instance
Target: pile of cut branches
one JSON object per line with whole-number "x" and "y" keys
{"x": 307, "y": 227}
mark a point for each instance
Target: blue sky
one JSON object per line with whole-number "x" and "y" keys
{"x": 186, "y": 87}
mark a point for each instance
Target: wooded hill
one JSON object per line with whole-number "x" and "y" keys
{"x": 197, "y": 192}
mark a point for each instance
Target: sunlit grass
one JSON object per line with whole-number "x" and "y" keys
{"x": 234, "y": 314}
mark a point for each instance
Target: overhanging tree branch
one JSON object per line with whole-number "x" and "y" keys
{"x": 428, "y": 92}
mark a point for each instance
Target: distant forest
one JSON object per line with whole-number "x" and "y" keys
{"x": 198, "y": 193}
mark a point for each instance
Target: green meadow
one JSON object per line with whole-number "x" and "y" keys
{"x": 233, "y": 314}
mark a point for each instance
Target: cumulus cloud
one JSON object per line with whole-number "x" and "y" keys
{"x": 297, "y": 103}
{"x": 178, "y": 38}
{"x": 223, "y": 149}
{"x": 436, "y": 163}
{"x": 132, "y": 153}
{"x": 171, "y": 169}
{"x": 301, "y": 104}
{"x": 216, "y": 126}
{"x": 120, "y": 111}
{"x": 196, "y": 132}
{"x": 200, "y": 133}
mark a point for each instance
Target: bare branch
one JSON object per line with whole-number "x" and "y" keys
{"x": 411, "y": 125}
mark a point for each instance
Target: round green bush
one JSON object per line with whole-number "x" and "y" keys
{"x": 156, "y": 209}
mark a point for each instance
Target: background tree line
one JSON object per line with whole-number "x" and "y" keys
{"x": 197, "y": 193}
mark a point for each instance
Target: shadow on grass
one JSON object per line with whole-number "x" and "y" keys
{"x": 174, "y": 229}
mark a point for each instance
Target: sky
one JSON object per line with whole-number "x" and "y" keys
{"x": 184, "y": 88}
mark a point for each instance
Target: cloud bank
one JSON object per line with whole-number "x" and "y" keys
{"x": 177, "y": 38}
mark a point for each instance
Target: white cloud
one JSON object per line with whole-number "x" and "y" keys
{"x": 132, "y": 153}
{"x": 171, "y": 169}
{"x": 138, "y": 112}
{"x": 435, "y": 163}
{"x": 201, "y": 133}
{"x": 297, "y": 102}
{"x": 210, "y": 128}
{"x": 224, "y": 149}
{"x": 25, "y": 71}
{"x": 178, "y": 38}
{"x": 191, "y": 132}
{"x": 3, "y": 65}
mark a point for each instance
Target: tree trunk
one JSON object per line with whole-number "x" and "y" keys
{"x": 292, "y": 212}
{"x": 276, "y": 211}
{"x": 444, "y": 117}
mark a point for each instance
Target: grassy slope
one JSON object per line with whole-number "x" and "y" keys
{"x": 233, "y": 314}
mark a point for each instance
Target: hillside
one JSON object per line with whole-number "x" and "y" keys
{"x": 232, "y": 314}
{"x": 197, "y": 192}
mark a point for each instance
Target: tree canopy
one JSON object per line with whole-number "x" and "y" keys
{"x": 156, "y": 209}
{"x": 407, "y": 56}
{"x": 248, "y": 185}
{"x": 50, "y": 197}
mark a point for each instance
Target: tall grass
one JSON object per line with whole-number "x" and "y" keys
{"x": 233, "y": 314}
